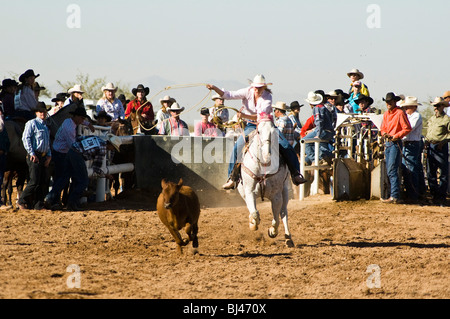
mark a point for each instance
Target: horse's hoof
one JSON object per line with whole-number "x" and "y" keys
{"x": 272, "y": 232}
{"x": 254, "y": 221}
{"x": 289, "y": 243}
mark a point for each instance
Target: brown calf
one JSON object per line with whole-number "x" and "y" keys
{"x": 178, "y": 206}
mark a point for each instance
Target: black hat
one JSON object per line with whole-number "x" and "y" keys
{"x": 363, "y": 97}
{"x": 139, "y": 88}
{"x": 204, "y": 111}
{"x": 37, "y": 87}
{"x": 342, "y": 93}
{"x": 104, "y": 115}
{"x": 26, "y": 74}
{"x": 295, "y": 105}
{"x": 80, "y": 111}
{"x": 41, "y": 107}
{"x": 391, "y": 96}
{"x": 6, "y": 83}
{"x": 60, "y": 97}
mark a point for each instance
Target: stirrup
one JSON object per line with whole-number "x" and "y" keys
{"x": 229, "y": 184}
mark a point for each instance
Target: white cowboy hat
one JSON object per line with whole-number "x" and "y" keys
{"x": 216, "y": 96}
{"x": 115, "y": 141}
{"x": 356, "y": 71}
{"x": 259, "y": 81}
{"x": 332, "y": 93}
{"x": 410, "y": 101}
{"x": 109, "y": 87}
{"x": 314, "y": 98}
{"x": 76, "y": 88}
{"x": 280, "y": 106}
{"x": 176, "y": 107}
{"x": 167, "y": 99}
{"x": 438, "y": 100}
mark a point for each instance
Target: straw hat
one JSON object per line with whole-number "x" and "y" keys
{"x": 259, "y": 81}
{"x": 280, "y": 106}
{"x": 410, "y": 101}
{"x": 77, "y": 88}
{"x": 167, "y": 98}
{"x": 356, "y": 71}
{"x": 438, "y": 101}
{"x": 216, "y": 96}
{"x": 109, "y": 87}
{"x": 176, "y": 107}
{"x": 332, "y": 94}
{"x": 114, "y": 140}
{"x": 314, "y": 98}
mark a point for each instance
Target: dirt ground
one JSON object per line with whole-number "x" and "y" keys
{"x": 123, "y": 251}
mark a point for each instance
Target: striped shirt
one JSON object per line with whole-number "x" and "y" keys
{"x": 174, "y": 128}
{"x": 92, "y": 148}
{"x": 36, "y": 137}
{"x": 286, "y": 127}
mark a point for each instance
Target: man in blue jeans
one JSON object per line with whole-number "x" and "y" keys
{"x": 84, "y": 149}
{"x": 394, "y": 127}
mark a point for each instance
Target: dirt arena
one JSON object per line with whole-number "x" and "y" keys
{"x": 124, "y": 251}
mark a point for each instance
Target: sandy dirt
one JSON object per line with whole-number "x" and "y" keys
{"x": 124, "y": 251}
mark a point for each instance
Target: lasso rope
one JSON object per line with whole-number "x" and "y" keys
{"x": 171, "y": 87}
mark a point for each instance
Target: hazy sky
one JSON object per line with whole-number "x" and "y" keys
{"x": 300, "y": 46}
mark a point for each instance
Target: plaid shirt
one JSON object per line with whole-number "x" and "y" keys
{"x": 92, "y": 148}
{"x": 286, "y": 127}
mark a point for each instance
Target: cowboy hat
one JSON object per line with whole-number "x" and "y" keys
{"x": 216, "y": 96}
{"x": 60, "y": 97}
{"x": 167, "y": 99}
{"x": 356, "y": 71}
{"x": 295, "y": 105}
{"x": 103, "y": 115}
{"x": 41, "y": 107}
{"x": 280, "y": 106}
{"x": 77, "y": 88}
{"x": 109, "y": 87}
{"x": 204, "y": 111}
{"x": 438, "y": 101}
{"x": 79, "y": 111}
{"x": 314, "y": 98}
{"x": 114, "y": 140}
{"x": 6, "y": 83}
{"x": 391, "y": 97}
{"x": 332, "y": 94}
{"x": 410, "y": 101}
{"x": 175, "y": 107}
{"x": 37, "y": 87}
{"x": 363, "y": 97}
{"x": 259, "y": 81}
{"x": 27, "y": 74}
{"x": 140, "y": 87}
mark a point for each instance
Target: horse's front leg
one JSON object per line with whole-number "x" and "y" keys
{"x": 250, "y": 201}
{"x": 277, "y": 202}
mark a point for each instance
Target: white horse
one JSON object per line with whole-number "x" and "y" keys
{"x": 263, "y": 175}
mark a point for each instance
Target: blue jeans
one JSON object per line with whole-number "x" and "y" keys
{"x": 412, "y": 169}
{"x": 324, "y": 148}
{"x": 286, "y": 151}
{"x": 438, "y": 159}
{"x": 393, "y": 158}
{"x": 75, "y": 169}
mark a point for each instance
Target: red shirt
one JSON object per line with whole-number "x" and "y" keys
{"x": 147, "y": 109}
{"x": 309, "y": 125}
{"x": 395, "y": 123}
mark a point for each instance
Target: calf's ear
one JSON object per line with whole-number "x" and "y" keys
{"x": 180, "y": 183}
{"x": 163, "y": 183}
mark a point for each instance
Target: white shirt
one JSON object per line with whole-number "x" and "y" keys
{"x": 115, "y": 109}
{"x": 415, "y": 120}
{"x": 251, "y": 107}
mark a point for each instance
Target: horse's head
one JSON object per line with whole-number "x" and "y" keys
{"x": 122, "y": 127}
{"x": 170, "y": 192}
{"x": 265, "y": 135}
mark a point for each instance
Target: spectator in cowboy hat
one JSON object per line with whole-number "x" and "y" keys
{"x": 37, "y": 90}
{"x": 174, "y": 126}
{"x": 85, "y": 148}
{"x": 110, "y": 104}
{"x": 283, "y": 123}
{"x": 412, "y": 169}
{"x": 394, "y": 127}
{"x": 206, "y": 127}
{"x": 356, "y": 75}
{"x": 364, "y": 102}
{"x": 103, "y": 118}
{"x": 75, "y": 95}
{"x": 294, "y": 116}
{"x": 59, "y": 102}
{"x": 25, "y": 99}
{"x": 163, "y": 113}
{"x": 9, "y": 88}
{"x": 437, "y": 137}
{"x": 222, "y": 115}
{"x": 36, "y": 141}
{"x": 141, "y": 103}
